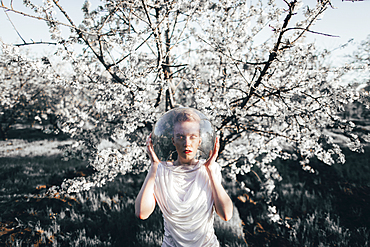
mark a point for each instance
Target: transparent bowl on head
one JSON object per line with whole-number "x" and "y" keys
{"x": 163, "y": 133}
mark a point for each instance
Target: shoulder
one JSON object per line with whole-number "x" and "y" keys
{"x": 161, "y": 166}
{"x": 165, "y": 164}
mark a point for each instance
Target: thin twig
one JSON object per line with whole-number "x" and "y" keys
{"x": 235, "y": 60}
{"x": 110, "y": 15}
{"x": 323, "y": 8}
{"x": 36, "y": 43}
{"x": 310, "y": 31}
{"x": 44, "y": 19}
{"x": 99, "y": 57}
{"x": 20, "y": 36}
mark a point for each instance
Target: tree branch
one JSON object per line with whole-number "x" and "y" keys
{"x": 43, "y": 19}
{"x": 272, "y": 56}
{"x": 307, "y": 30}
{"x": 235, "y": 60}
{"x": 36, "y": 43}
{"x": 324, "y": 4}
{"x": 155, "y": 33}
{"x": 20, "y": 36}
{"x": 100, "y": 57}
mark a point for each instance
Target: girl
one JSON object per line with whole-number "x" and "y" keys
{"x": 187, "y": 190}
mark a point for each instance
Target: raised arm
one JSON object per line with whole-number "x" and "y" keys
{"x": 145, "y": 200}
{"x": 222, "y": 201}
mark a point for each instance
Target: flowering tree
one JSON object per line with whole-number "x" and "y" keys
{"x": 133, "y": 60}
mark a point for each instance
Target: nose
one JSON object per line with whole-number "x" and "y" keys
{"x": 187, "y": 141}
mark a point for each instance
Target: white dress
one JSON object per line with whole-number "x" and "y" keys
{"x": 184, "y": 195}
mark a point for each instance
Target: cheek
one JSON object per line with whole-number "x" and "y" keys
{"x": 177, "y": 142}
{"x": 197, "y": 142}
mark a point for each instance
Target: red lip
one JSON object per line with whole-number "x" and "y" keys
{"x": 187, "y": 151}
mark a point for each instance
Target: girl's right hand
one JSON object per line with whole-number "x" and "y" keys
{"x": 150, "y": 150}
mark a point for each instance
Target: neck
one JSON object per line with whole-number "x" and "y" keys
{"x": 178, "y": 162}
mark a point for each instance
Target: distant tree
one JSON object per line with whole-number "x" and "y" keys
{"x": 360, "y": 59}
{"x": 358, "y": 111}
{"x": 29, "y": 93}
{"x": 133, "y": 60}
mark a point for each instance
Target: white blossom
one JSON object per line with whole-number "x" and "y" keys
{"x": 125, "y": 63}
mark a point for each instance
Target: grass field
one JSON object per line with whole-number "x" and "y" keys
{"x": 330, "y": 208}
{"x": 99, "y": 217}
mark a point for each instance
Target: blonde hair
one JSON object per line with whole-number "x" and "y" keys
{"x": 186, "y": 115}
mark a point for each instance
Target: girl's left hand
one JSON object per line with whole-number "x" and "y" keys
{"x": 213, "y": 154}
{"x": 150, "y": 150}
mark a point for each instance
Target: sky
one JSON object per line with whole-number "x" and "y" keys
{"x": 348, "y": 20}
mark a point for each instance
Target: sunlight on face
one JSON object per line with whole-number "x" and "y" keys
{"x": 186, "y": 140}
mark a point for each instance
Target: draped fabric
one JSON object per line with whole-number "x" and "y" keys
{"x": 184, "y": 195}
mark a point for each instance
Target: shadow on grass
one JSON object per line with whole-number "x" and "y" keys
{"x": 328, "y": 208}
{"x": 99, "y": 217}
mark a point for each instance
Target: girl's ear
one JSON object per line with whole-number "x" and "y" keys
{"x": 200, "y": 141}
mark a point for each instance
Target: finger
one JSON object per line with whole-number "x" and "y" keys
{"x": 215, "y": 149}
{"x": 149, "y": 136}
{"x": 217, "y": 143}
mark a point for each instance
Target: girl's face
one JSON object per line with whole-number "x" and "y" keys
{"x": 186, "y": 140}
